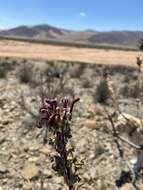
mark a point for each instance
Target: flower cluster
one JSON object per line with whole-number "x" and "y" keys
{"x": 55, "y": 116}
{"x": 51, "y": 114}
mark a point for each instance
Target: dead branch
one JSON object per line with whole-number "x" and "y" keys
{"x": 121, "y": 152}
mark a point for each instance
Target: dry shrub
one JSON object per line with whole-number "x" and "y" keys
{"x": 99, "y": 150}
{"x": 56, "y": 82}
{"x": 25, "y": 73}
{"x": 86, "y": 83}
{"x": 76, "y": 70}
{"x": 98, "y": 110}
{"x": 6, "y": 66}
{"x": 102, "y": 92}
{"x": 53, "y": 88}
{"x": 56, "y": 69}
{"x": 126, "y": 79}
{"x": 3, "y": 71}
{"x": 131, "y": 90}
{"x": 28, "y": 74}
{"x": 130, "y": 77}
{"x": 121, "y": 69}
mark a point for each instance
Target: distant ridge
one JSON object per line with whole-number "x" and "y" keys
{"x": 38, "y": 31}
{"x": 89, "y": 36}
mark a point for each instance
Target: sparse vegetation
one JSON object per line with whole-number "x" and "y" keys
{"x": 96, "y": 131}
{"x": 102, "y": 93}
{"x": 87, "y": 83}
{"x": 139, "y": 64}
{"x": 76, "y": 70}
{"x": 141, "y": 45}
{"x": 55, "y": 69}
{"x": 27, "y": 74}
{"x": 131, "y": 90}
{"x": 6, "y": 66}
{"x": 3, "y": 72}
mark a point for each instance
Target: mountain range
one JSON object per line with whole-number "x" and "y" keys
{"x": 47, "y": 32}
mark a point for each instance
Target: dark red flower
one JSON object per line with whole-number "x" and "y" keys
{"x": 52, "y": 115}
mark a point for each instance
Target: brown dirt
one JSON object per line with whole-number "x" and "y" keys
{"x": 25, "y": 162}
{"x": 49, "y": 52}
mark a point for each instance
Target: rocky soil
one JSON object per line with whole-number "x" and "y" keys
{"x": 25, "y": 163}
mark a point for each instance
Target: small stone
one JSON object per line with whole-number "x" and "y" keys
{"x": 6, "y": 122}
{"x": 30, "y": 171}
{"x": 141, "y": 187}
{"x": 92, "y": 156}
{"x": 45, "y": 150}
{"x": 82, "y": 145}
{"x": 3, "y": 169}
{"x": 33, "y": 159}
{"x": 127, "y": 186}
{"x": 86, "y": 176}
{"x": 34, "y": 148}
{"x": 47, "y": 173}
{"x": 93, "y": 172}
{"x": 12, "y": 173}
{"x": 27, "y": 186}
{"x": 89, "y": 124}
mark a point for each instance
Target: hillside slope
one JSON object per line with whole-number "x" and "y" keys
{"x": 47, "y": 32}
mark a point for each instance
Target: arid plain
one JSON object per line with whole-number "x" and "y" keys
{"x": 9, "y": 48}
{"x": 30, "y": 71}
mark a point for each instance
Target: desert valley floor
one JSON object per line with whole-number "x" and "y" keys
{"x": 29, "y": 70}
{"x": 50, "y": 52}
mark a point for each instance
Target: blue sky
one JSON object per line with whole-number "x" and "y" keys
{"x": 73, "y": 14}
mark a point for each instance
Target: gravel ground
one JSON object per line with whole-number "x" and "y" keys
{"x": 25, "y": 161}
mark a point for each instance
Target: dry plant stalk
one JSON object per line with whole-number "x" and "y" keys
{"x": 132, "y": 174}
{"x": 139, "y": 64}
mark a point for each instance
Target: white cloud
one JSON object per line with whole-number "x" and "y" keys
{"x": 83, "y": 14}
